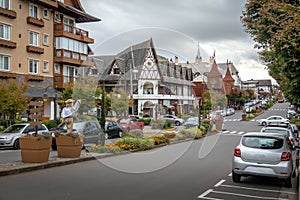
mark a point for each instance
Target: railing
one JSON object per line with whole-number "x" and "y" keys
{"x": 8, "y": 13}
{"x": 70, "y": 54}
{"x": 70, "y": 29}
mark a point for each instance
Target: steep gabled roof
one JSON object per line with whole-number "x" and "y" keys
{"x": 228, "y": 77}
{"x": 214, "y": 72}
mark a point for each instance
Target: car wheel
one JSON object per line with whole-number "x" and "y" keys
{"x": 264, "y": 123}
{"x": 288, "y": 182}
{"x": 17, "y": 144}
{"x": 177, "y": 123}
{"x": 120, "y": 134}
{"x": 106, "y": 136}
{"x": 236, "y": 177}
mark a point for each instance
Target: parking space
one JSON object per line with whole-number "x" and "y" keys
{"x": 250, "y": 188}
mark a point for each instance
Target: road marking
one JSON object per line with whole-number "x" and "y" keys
{"x": 230, "y": 174}
{"x": 257, "y": 189}
{"x": 225, "y": 132}
{"x": 203, "y": 195}
{"x": 250, "y": 196}
{"x": 240, "y": 133}
{"x": 219, "y": 183}
{"x": 233, "y": 132}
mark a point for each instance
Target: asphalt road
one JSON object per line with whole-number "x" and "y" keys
{"x": 199, "y": 169}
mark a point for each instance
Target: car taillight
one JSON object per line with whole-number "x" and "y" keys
{"x": 292, "y": 141}
{"x": 285, "y": 156}
{"x": 237, "y": 152}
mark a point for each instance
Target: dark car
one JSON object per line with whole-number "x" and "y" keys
{"x": 91, "y": 130}
{"x": 113, "y": 129}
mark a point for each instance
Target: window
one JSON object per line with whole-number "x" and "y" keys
{"x": 46, "y": 39}
{"x": 71, "y": 45}
{"x": 4, "y": 4}
{"x": 4, "y": 62}
{"x": 57, "y": 17}
{"x": 56, "y": 68}
{"x": 45, "y": 66}
{"x": 4, "y": 31}
{"x": 68, "y": 24}
{"x": 46, "y": 14}
{"x": 33, "y": 11}
{"x": 33, "y": 66}
{"x": 33, "y": 38}
{"x": 69, "y": 73}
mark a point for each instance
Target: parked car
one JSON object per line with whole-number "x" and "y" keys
{"x": 173, "y": 119}
{"x": 269, "y": 155}
{"x": 294, "y": 130}
{"x": 291, "y": 114}
{"x": 10, "y": 136}
{"x": 130, "y": 123}
{"x": 113, "y": 129}
{"x": 191, "y": 122}
{"x": 282, "y": 130}
{"x": 90, "y": 129}
{"x": 273, "y": 119}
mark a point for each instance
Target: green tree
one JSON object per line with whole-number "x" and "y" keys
{"x": 12, "y": 99}
{"x": 119, "y": 102}
{"x": 275, "y": 25}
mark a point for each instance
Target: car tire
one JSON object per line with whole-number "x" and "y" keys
{"x": 17, "y": 144}
{"x": 264, "y": 123}
{"x": 120, "y": 134}
{"x": 236, "y": 177}
{"x": 288, "y": 182}
{"x": 177, "y": 123}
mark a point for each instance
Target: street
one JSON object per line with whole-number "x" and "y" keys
{"x": 199, "y": 169}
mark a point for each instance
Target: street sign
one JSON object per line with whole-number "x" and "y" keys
{"x": 36, "y": 110}
{"x": 37, "y": 123}
{"x": 36, "y": 103}
{"x": 37, "y": 116}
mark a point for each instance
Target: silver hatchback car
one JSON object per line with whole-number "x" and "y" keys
{"x": 270, "y": 155}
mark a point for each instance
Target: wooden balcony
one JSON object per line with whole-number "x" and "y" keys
{"x": 7, "y": 75}
{"x": 8, "y": 44}
{"x": 35, "y": 21}
{"x": 34, "y": 49}
{"x": 31, "y": 77}
{"x": 8, "y": 13}
{"x": 62, "y": 82}
{"x": 61, "y": 29}
{"x": 69, "y": 57}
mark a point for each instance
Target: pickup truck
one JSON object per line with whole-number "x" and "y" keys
{"x": 130, "y": 123}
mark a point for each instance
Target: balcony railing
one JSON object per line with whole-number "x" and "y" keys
{"x": 35, "y": 21}
{"x": 8, "y": 13}
{"x": 71, "y": 57}
{"x": 61, "y": 82}
{"x": 61, "y": 29}
{"x": 7, "y": 75}
{"x": 8, "y": 44}
{"x": 31, "y": 77}
{"x": 34, "y": 49}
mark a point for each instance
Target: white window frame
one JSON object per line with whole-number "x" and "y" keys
{"x": 33, "y": 11}
{"x": 45, "y": 66}
{"x": 33, "y": 66}
{"x": 5, "y": 31}
{"x": 3, "y": 63}
{"x": 46, "y": 39}
{"x": 57, "y": 17}
{"x": 5, "y": 4}
{"x": 56, "y": 68}
{"x": 46, "y": 13}
{"x": 33, "y": 38}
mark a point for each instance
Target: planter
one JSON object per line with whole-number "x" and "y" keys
{"x": 35, "y": 150}
{"x": 68, "y": 147}
{"x": 244, "y": 117}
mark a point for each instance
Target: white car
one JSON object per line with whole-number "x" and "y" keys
{"x": 273, "y": 119}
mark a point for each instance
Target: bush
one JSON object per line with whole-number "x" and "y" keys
{"x": 130, "y": 143}
{"x": 194, "y": 132}
{"x": 167, "y": 124}
{"x": 180, "y": 136}
{"x": 108, "y": 148}
{"x": 160, "y": 139}
{"x": 206, "y": 123}
{"x": 146, "y": 121}
{"x": 136, "y": 133}
{"x": 170, "y": 135}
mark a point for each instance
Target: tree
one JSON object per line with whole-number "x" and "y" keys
{"x": 12, "y": 99}
{"x": 119, "y": 102}
{"x": 275, "y": 25}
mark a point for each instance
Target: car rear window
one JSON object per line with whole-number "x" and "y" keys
{"x": 262, "y": 142}
{"x": 274, "y": 130}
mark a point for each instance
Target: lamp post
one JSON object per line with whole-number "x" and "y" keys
{"x": 200, "y": 110}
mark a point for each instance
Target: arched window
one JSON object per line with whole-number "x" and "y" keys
{"x": 148, "y": 88}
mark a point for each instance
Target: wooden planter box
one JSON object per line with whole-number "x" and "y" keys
{"x": 34, "y": 150}
{"x": 68, "y": 147}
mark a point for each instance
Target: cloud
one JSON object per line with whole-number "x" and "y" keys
{"x": 176, "y": 28}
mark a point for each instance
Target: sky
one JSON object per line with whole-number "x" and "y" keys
{"x": 176, "y": 28}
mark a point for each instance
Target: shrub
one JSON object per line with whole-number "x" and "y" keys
{"x": 130, "y": 143}
{"x": 167, "y": 124}
{"x": 170, "y": 135}
{"x": 108, "y": 148}
{"x": 180, "y": 136}
{"x": 189, "y": 133}
{"x": 160, "y": 139}
{"x": 136, "y": 133}
{"x": 146, "y": 121}
{"x": 206, "y": 123}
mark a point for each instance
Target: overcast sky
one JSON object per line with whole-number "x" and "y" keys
{"x": 176, "y": 27}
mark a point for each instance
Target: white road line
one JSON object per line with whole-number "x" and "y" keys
{"x": 245, "y": 195}
{"x": 240, "y": 133}
{"x": 230, "y": 174}
{"x": 225, "y": 132}
{"x": 219, "y": 183}
{"x": 203, "y": 195}
{"x": 258, "y": 189}
{"x": 233, "y": 132}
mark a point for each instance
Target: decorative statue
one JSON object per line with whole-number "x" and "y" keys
{"x": 68, "y": 113}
